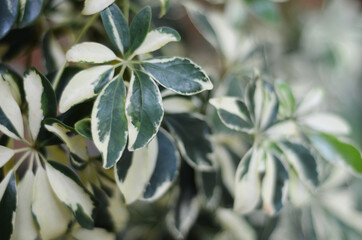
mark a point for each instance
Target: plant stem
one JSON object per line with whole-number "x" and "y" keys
{"x": 81, "y": 34}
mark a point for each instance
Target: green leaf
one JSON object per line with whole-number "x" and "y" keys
{"x": 302, "y": 161}
{"x": 94, "y": 6}
{"x": 275, "y": 185}
{"x": 75, "y": 143}
{"x": 165, "y": 4}
{"x": 178, "y": 74}
{"x": 166, "y": 168}
{"x": 8, "y": 14}
{"x": 109, "y": 122}
{"x": 90, "y": 52}
{"x": 29, "y": 11}
{"x": 41, "y": 101}
{"x": 233, "y": 113}
{"x": 52, "y": 53}
{"x": 11, "y": 121}
{"x": 134, "y": 170}
{"x": 91, "y": 81}
{"x": 247, "y": 182}
{"x": 5, "y": 155}
{"x": 264, "y": 9}
{"x": 49, "y": 214}
{"x": 8, "y": 199}
{"x": 69, "y": 189}
{"x": 15, "y": 82}
{"x": 262, "y": 102}
{"x": 116, "y": 27}
{"x": 156, "y": 39}
{"x": 286, "y": 99}
{"x": 24, "y": 227}
{"x": 192, "y": 135}
{"x": 209, "y": 186}
{"x": 143, "y": 110}
{"x": 139, "y": 28}
{"x": 336, "y": 151}
{"x": 83, "y": 128}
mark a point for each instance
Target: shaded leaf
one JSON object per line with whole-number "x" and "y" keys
{"x": 29, "y": 11}
{"x": 52, "y": 53}
{"x": 8, "y": 14}
{"x": 83, "y": 128}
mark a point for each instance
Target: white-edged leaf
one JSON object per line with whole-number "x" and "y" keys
{"x": 326, "y": 122}
{"x": 282, "y": 130}
{"x": 11, "y": 121}
{"x": 116, "y": 27}
{"x": 302, "y": 161}
{"x": 275, "y": 185}
{"x": 139, "y": 28}
{"x": 15, "y": 82}
{"x": 233, "y": 113}
{"x": 74, "y": 142}
{"x": 144, "y": 110}
{"x": 29, "y": 11}
{"x": 156, "y": 39}
{"x": 178, "y": 74}
{"x": 8, "y": 199}
{"x": 262, "y": 102}
{"x": 90, "y": 81}
{"x": 192, "y": 135}
{"x": 178, "y": 104}
{"x": 134, "y": 170}
{"x": 90, "y": 52}
{"x": 310, "y": 101}
{"x": 40, "y": 98}
{"x": 68, "y": 188}
{"x": 8, "y": 13}
{"x": 24, "y": 226}
{"x": 50, "y": 215}
{"x": 247, "y": 182}
{"x": 94, "y": 6}
{"x": 109, "y": 122}
{"x": 166, "y": 168}
{"x": 164, "y": 7}
{"x": 5, "y": 155}
{"x": 94, "y": 234}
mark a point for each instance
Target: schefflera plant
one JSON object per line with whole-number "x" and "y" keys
{"x": 128, "y": 105}
{"x": 49, "y": 192}
{"x": 289, "y": 139}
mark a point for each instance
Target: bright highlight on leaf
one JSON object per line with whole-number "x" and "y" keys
{"x": 90, "y": 52}
{"x": 94, "y": 6}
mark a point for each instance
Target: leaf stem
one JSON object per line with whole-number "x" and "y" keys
{"x": 81, "y": 34}
{"x": 19, "y": 150}
{"x": 21, "y": 160}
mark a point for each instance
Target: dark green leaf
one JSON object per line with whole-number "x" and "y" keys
{"x": 83, "y": 127}
{"x": 7, "y": 207}
{"x": 8, "y": 14}
{"x": 139, "y": 28}
{"x": 29, "y": 11}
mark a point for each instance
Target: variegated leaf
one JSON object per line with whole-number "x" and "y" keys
{"x": 24, "y": 226}
{"x": 11, "y": 121}
{"x": 15, "y": 82}
{"x": 90, "y": 52}
{"x": 164, "y": 7}
{"x": 275, "y": 185}
{"x": 286, "y": 99}
{"x": 233, "y": 113}
{"x": 139, "y": 28}
{"x": 75, "y": 143}
{"x": 50, "y": 215}
{"x": 178, "y": 104}
{"x": 91, "y": 81}
{"x": 94, "y": 6}
{"x": 192, "y": 135}
{"x": 8, "y": 14}
{"x": 83, "y": 128}
{"x": 8, "y": 199}
{"x": 157, "y": 39}
{"x": 325, "y": 122}
{"x": 337, "y": 151}
{"x": 29, "y": 11}
{"x": 94, "y": 234}
{"x": 178, "y": 74}
{"x": 116, "y": 27}
{"x": 40, "y": 98}
{"x": 109, "y": 122}
{"x": 134, "y": 170}
{"x": 166, "y": 168}
{"x": 208, "y": 185}
{"x": 53, "y": 53}
{"x": 302, "y": 161}
{"x": 5, "y": 155}
{"x": 247, "y": 182}
{"x": 310, "y": 102}
{"x": 144, "y": 110}
{"x": 69, "y": 189}
{"x": 262, "y": 103}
